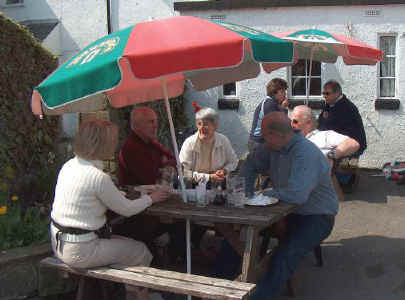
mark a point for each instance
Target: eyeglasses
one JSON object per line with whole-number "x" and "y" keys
{"x": 327, "y": 93}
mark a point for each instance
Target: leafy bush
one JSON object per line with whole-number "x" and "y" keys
{"x": 21, "y": 227}
{"x": 27, "y": 144}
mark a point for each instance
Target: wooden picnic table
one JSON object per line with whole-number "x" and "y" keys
{"x": 253, "y": 218}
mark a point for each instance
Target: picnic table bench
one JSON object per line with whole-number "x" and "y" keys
{"x": 162, "y": 280}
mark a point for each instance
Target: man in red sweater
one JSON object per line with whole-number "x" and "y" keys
{"x": 141, "y": 156}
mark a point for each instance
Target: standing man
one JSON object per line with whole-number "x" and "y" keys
{"x": 300, "y": 175}
{"x": 276, "y": 100}
{"x": 141, "y": 156}
{"x": 341, "y": 115}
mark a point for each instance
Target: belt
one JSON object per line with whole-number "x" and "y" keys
{"x": 103, "y": 232}
{"x": 78, "y": 235}
{"x": 70, "y": 230}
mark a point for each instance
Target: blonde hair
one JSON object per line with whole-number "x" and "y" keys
{"x": 96, "y": 140}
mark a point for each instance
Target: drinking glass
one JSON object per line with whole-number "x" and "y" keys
{"x": 201, "y": 194}
{"x": 236, "y": 190}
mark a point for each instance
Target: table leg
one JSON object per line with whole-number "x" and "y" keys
{"x": 249, "y": 255}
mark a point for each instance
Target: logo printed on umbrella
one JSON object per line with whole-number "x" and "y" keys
{"x": 99, "y": 49}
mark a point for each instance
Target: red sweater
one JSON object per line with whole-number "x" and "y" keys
{"x": 139, "y": 162}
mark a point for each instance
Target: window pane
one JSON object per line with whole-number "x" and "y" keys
{"x": 299, "y": 68}
{"x": 387, "y": 67}
{"x": 229, "y": 89}
{"x": 315, "y": 87}
{"x": 298, "y": 86}
{"x": 387, "y": 44}
{"x": 316, "y": 68}
{"x": 387, "y": 88}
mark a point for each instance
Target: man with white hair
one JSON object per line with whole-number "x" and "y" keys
{"x": 139, "y": 161}
{"x": 141, "y": 156}
{"x": 334, "y": 145}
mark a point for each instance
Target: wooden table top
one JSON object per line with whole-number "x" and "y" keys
{"x": 249, "y": 215}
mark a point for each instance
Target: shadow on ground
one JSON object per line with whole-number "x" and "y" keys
{"x": 375, "y": 189}
{"x": 367, "y": 267}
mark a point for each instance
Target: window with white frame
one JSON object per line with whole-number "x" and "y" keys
{"x": 299, "y": 79}
{"x": 229, "y": 90}
{"x": 387, "y": 67}
{"x": 14, "y": 2}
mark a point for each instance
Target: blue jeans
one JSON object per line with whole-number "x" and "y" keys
{"x": 305, "y": 232}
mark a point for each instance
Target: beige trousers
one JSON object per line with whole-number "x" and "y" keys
{"x": 102, "y": 252}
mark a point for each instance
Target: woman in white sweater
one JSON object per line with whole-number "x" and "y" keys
{"x": 83, "y": 193}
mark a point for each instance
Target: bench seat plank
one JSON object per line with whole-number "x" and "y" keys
{"x": 243, "y": 286}
{"x": 162, "y": 280}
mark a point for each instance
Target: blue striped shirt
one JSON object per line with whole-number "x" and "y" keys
{"x": 300, "y": 175}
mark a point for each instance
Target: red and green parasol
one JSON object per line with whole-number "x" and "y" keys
{"x": 127, "y": 66}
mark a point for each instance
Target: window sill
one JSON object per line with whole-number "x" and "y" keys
{"x": 387, "y": 104}
{"x": 312, "y": 103}
{"x": 11, "y": 5}
{"x": 228, "y": 103}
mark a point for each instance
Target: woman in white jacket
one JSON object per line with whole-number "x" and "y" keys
{"x": 207, "y": 155}
{"x": 79, "y": 234}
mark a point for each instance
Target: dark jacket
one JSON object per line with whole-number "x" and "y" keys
{"x": 344, "y": 118}
{"x": 269, "y": 106}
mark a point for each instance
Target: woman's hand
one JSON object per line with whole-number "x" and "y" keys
{"x": 218, "y": 175}
{"x": 221, "y": 173}
{"x": 159, "y": 196}
{"x": 284, "y": 104}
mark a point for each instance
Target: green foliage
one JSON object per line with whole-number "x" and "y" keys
{"x": 22, "y": 227}
{"x": 27, "y": 143}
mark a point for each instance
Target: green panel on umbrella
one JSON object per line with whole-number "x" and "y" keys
{"x": 92, "y": 70}
{"x": 280, "y": 51}
{"x": 320, "y": 42}
{"x": 313, "y": 35}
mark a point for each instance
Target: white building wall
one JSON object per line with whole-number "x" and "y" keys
{"x": 385, "y": 129}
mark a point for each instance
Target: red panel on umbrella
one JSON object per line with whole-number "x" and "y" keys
{"x": 181, "y": 44}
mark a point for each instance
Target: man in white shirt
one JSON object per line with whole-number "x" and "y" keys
{"x": 334, "y": 145}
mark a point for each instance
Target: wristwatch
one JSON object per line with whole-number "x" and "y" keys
{"x": 331, "y": 154}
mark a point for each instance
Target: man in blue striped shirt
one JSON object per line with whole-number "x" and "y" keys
{"x": 300, "y": 174}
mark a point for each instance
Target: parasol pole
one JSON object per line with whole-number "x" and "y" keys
{"x": 310, "y": 73}
{"x": 179, "y": 170}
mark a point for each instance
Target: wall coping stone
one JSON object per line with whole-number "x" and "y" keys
{"x": 17, "y": 255}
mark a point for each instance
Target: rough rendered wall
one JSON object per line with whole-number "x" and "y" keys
{"x": 385, "y": 129}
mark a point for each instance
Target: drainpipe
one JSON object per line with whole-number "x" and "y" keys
{"x": 112, "y": 15}
{"x": 108, "y": 3}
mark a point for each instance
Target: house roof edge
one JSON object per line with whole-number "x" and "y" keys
{"x": 239, "y": 4}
